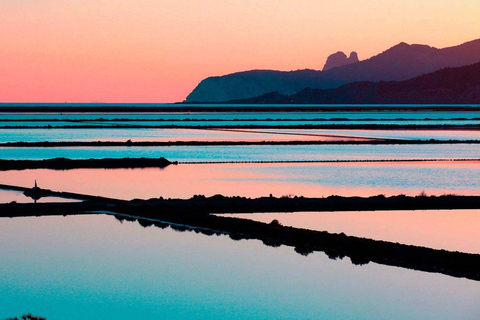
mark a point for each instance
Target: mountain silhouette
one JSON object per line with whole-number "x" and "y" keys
{"x": 340, "y": 59}
{"x": 459, "y": 85}
{"x": 398, "y": 63}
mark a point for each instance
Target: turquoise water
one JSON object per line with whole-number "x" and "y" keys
{"x": 261, "y": 115}
{"x": 395, "y": 134}
{"x": 292, "y": 115}
{"x": 196, "y": 123}
{"x": 136, "y": 134}
{"x": 343, "y": 117}
{"x": 94, "y": 267}
{"x": 254, "y": 153}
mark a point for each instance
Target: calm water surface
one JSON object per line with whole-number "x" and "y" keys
{"x": 453, "y": 230}
{"x": 255, "y": 180}
{"x": 261, "y": 115}
{"x": 113, "y": 134}
{"x": 39, "y": 135}
{"x": 94, "y": 267}
{"x": 263, "y": 118}
{"x": 254, "y": 153}
{"x": 207, "y": 123}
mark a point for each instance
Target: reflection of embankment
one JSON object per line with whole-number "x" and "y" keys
{"x": 196, "y": 214}
{"x": 64, "y": 163}
{"x": 359, "y": 250}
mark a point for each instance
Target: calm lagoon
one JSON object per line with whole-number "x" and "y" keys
{"x": 55, "y": 135}
{"x": 94, "y": 267}
{"x": 255, "y": 180}
{"x": 224, "y": 134}
{"x": 227, "y": 123}
{"x": 253, "y": 152}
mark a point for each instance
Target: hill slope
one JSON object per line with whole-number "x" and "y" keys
{"x": 459, "y": 85}
{"x": 398, "y": 63}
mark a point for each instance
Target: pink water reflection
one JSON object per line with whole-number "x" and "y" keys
{"x": 451, "y": 134}
{"x": 171, "y": 135}
{"x": 454, "y": 230}
{"x": 254, "y": 180}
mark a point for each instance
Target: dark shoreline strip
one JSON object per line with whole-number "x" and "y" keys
{"x": 64, "y": 163}
{"x": 132, "y": 163}
{"x": 374, "y": 141}
{"x": 222, "y": 107}
{"x": 475, "y": 127}
{"x": 106, "y": 121}
{"x": 221, "y": 204}
{"x": 331, "y": 161}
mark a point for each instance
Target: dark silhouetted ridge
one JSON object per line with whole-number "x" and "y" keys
{"x": 447, "y": 86}
{"x": 399, "y": 63}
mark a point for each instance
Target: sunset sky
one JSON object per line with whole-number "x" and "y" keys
{"x": 157, "y": 51}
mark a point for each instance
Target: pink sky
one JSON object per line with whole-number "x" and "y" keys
{"x": 157, "y": 51}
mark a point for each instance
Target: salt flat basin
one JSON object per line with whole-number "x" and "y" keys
{"x": 399, "y": 134}
{"x": 224, "y": 134}
{"x": 254, "y": 152}
{"x": 144, "y": 134}
{"x": 256, "y": 180}
{"x": 94, "y": 267}
{"x": 453, "y": 230}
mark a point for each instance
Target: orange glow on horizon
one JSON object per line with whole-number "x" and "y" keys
{"x": 157, "y": 51}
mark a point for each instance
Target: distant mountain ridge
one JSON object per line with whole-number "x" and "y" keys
{"x": 401, "y": 62}
{"x": 459, "y": 85}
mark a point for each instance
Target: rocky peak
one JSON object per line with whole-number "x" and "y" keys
{"x": 340, "y": 59}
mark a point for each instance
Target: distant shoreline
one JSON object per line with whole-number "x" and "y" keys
{"x": 275, "y": 126}
{"x": 220, "y": 107}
